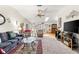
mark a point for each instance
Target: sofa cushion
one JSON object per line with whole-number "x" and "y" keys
{"x": 11, "y": 35}
{"x": 4, "y": 44}
{"x": 4, "y": 37}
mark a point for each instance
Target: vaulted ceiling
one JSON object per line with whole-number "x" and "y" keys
{"x": 29, "y": 12}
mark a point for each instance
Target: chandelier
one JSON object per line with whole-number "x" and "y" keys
{"x": 40, "y": 11}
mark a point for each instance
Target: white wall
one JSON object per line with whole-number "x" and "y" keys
{"x": 12, "y": 15}
{"x": 65, "y": 12}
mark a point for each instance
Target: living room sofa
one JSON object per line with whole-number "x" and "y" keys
{"x": 9, "y": 41}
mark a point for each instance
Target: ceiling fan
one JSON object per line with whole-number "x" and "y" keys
{"x": 41, "y": 11}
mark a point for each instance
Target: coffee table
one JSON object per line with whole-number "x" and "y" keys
{"x": 30, "y": 41}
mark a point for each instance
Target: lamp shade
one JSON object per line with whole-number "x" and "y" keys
{"x": 27, "y": 30}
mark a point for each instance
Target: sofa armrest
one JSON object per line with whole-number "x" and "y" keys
{"x": 13, "y": 40}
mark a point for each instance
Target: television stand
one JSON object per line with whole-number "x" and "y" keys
{"x": 66, "y": 40}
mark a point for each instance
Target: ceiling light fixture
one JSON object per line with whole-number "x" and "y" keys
{"x": 46, "y": 19}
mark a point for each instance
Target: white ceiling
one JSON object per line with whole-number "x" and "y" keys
{"x": 29, "y": 12}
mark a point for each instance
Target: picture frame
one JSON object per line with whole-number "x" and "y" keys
{"x": 59, "y": 22}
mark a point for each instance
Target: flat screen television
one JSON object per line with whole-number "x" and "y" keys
{"x": 72, "y": 26}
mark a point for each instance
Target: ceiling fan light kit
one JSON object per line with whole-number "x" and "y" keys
{"x": 40, "y": 13}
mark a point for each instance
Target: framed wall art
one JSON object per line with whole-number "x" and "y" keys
{"x": 59, "y": 22}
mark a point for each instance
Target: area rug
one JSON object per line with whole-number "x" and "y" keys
{"x": 39, "y": 47}
{"x": 13, "y": 51}
{"x": 27, "y": 50}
